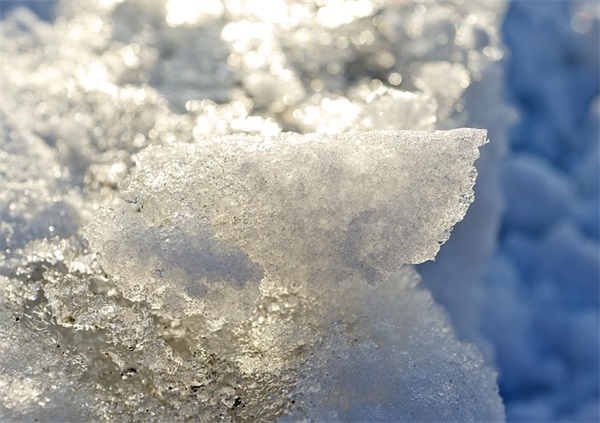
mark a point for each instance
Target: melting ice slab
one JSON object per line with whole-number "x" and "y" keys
{"x": 283, "y": 258}
{"x": 225, "y": 214}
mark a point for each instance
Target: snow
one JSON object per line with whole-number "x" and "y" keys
{"x": 121, "y": 326}
{"x": 540, "y": 195}
{"x": 549, "y": 245}
{"x": 35, "y": 202}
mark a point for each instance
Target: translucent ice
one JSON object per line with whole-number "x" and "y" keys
{"x": 291, "y": 210}
{"x": 280, "y": 256}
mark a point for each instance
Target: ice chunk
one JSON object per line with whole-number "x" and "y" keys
{"x": 277, "y": 262}
{"x": 288, "y": 210}
{"x": 34, "y": 379}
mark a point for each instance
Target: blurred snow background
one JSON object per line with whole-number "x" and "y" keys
{"x": 535, "y": 309}
{"x": 539, "y": 305}
{"x": 542, "y": 284}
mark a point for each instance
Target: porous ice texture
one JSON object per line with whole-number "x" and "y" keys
{"x": 278, "y": 257}
{"x": 213, "y": 218}
{"x": 229, "y": 319}
{"x": 39, "y": 379}
{"x": 357, "y": 377}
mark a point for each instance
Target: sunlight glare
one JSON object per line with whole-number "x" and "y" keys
{"x": 181, "y": 12}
